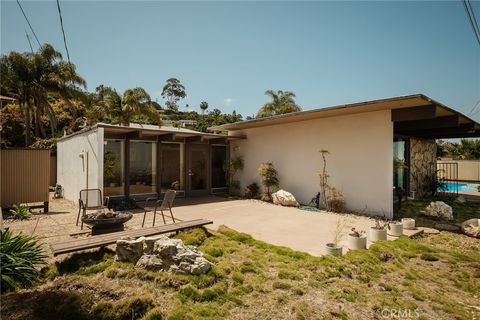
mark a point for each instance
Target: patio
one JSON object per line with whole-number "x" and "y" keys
{"x": 297, "y": 229}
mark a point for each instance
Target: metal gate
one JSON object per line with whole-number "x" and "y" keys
{"x": 447, "y": 178}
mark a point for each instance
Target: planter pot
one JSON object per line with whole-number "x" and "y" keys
{"x": 355, "y": 243}
{"x": 395, "y": 229}
{"x": 408, "y": 223}
{"x": 334, "y": 249}
{"x": 377, "y": 234}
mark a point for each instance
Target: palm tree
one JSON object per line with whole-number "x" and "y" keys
{"x": 203, "y": 106}
{"x": 112, "y": 107}
{"x": 282, "y": 102}
{"x": 33, "y": 79}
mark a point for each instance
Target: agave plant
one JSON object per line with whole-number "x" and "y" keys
{"x": 20, "y": 212}
{"x": 20, "y": 255}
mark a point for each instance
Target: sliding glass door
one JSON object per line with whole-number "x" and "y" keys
{"x": 219, "y": 177}
{"x": 198, "y": 157}
{"x": 142, "y": 167}
{"x": 113, "y": 167}
{"x": 172, "y": 167}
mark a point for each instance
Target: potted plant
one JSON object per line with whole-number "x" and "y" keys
{"x": 357, "y": 239}
{"x": 379, "y": 231}
{"x": 395, "y": 228}
{"x": 408, "y": 223}
{"x": 333, "y": 248}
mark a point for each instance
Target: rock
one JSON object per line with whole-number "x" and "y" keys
{"x": 129, "y": 250}
{"x": 149, "y": 243}
{"x": 460, "y": 199}
{"x": 161, "y": 253}
{"x": 151, "y": 262}
{"x": 440, "y": 210}
{"x": 472, "y": 228}
{"x": 284, "y": 198}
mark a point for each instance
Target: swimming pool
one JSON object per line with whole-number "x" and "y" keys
{"x": 453, "y": 187}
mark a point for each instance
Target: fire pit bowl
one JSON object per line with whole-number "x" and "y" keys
{"x": 101, "y": 219}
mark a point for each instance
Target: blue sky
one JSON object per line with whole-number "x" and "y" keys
{"x": 229, "y": 53}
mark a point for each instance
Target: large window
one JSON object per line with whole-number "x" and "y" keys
{"x": 172, "y": 167}
{"x": 113, "y": 167}
{"x": 219, "y": 156}
{"x": 399, "y": 164}
{"x": 142, "y": 167}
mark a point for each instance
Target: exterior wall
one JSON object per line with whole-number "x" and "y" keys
{"x": 468, "y": 170}
{"x": 359, "y": 164}
{"x": 75, "y": 172}
{"x": 25, "y": 176}
{"x": 423, "y": 156}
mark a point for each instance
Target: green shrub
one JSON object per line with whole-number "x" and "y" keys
{"x": 19, "y": 255}
{"x": 126, "y": 309}
{"x": 269, "y": 176}
{"x": 20, "y": 212}
{"x": 252, "y": 191}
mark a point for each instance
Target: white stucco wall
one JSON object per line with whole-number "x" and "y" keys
{"x": 360, "y": 160}
{"x": 72, "y": 168}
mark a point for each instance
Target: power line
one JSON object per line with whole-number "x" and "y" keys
{"x": 471, "y": 18}
{"x": 29, "y": 42}
{"x": 63, "y": 30}
{"x": 472, "y": 111}
{"x": 34, "y": 34}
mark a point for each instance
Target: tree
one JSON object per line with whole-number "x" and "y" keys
{"x": 467, "y": 149}
{"x": 32, "y": 78}
{"x": 110, "y": 106}
{"x": 173, "y": 91}
{"x": 282, "y": 102}
{"x": 269, "y": 176}
{"x": 203, "y": 106}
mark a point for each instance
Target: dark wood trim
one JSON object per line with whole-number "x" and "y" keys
{"x": 195, "y": 139}
{"x": 464, "y": 130}
{"x": 437, "y": 123}
{"x": 166, "y": 137}
{"x": 127, "y": 168}
{"x": 133, "y": 135}
{"x": 218, "y": 141}
{"x": 414, "y": 113}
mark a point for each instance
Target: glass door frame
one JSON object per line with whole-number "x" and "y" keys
{"x": 188, "y": 183}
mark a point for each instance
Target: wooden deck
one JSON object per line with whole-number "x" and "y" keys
{"x": 107, "y": 239}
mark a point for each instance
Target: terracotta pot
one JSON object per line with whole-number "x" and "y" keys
{"x": 395, "y": 229}
{"x": 334, "y": 249}
{"x": 408, "y": 223}
{"x": 355, "y": 243}
{"x": 377, "y": 234}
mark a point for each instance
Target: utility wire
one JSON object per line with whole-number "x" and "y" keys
{"x": 63, "y": 30}
{"x": 29, "y": 42}
{"x": 471, "y": 18}
{"x": 33, "y": 31}
{"x": 472, "y": 111}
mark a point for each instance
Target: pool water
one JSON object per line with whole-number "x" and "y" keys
{"x": 465, "y": 187}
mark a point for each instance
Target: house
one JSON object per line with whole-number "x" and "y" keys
{"x": 141, "y": 160}
{"x": 374, "y": 147}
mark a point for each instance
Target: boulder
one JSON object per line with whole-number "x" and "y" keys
{"x": 284, "y": 198}
{"x": 471, "y": 228}
{"x": 160, "y": 253}
{"x": 129, "y": 250}
{"x": 440, "y": 210}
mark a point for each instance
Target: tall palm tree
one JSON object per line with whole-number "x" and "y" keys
{"x": 282, "y": 102}
{"x": 203, "y": 106}
{"x": 32, "y": 78}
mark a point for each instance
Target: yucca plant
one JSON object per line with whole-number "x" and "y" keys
{"x": 20, "y": 212}
{"x": 20, "y": 255}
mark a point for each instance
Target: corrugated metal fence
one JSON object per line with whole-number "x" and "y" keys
{"x": 25, "y": 176}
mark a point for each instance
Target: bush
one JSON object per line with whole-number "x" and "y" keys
{"x": 268, "y": 173}
{"x": 20, "y": 255}
{"x": 252, "y": 191}
{"x": 20, "y": 212}
{"x": 335, "y": 201}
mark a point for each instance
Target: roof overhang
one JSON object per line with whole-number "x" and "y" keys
{"x": 413, "y": 115}
{"x": 154, "y": 133}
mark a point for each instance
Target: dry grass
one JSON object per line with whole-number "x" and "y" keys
{"x": 437, "y": 276}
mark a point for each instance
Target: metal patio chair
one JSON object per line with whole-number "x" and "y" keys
{"x": 90, "y": 199}
{"x": 154, "y": 204}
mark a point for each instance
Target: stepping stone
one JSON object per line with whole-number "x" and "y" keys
{"x": 429, "y": 230}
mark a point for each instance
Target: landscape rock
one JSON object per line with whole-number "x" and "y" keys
{"x": 440, "y": 210}
{"x": 129, "y": 250}
{"x": 284, "y": 198}
{"x": 161, "y": 253}
{"x": 472, "y": 228}
{"x": 460, "y": 199}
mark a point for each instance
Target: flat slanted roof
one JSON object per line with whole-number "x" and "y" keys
{"x": 413, "y": 115}
{"x": 150, "y": 132}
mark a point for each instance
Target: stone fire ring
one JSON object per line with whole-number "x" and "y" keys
{"x": 121, "y": 218}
